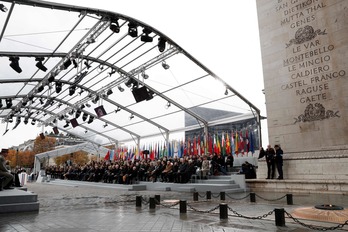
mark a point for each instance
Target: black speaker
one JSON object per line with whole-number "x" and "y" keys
{"x": 74, "y": 122}
{"x": 100, "y": 111}
{"x": 140, "y": 94}
{"x": 55, "y": 130}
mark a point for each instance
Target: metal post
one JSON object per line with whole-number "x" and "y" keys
{"x": 183, "y": 206}
{"x": 138, "y": 201}
{"x": 208, "y": 195}
{"x": 158, "y": 199}
{"x": 222, "y": 196}
{"x": 289, "y": 199}
{"x": 195, "y": 196}
{"x": 152, "y": 203}
{"x": 279, "y": 217}
{"x": 223, "y": 211}
{"x": 252, "y": 197}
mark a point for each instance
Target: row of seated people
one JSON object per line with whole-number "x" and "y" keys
{"x": 177, "y": 170}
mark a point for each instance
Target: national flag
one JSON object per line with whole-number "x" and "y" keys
{"x": 247, "y": 141}
{"x": 236, "y": 142}
{"x": 228, "y": 145}
{"x": 111, "y": 154}
{"x": 215, "y": 145}
{"x": 223, "y": 144}
{"x": 251, "y": 139}
{"x": 107, "y": 156}
{"x": 218, "y": 144}
{"x": 210, "y": 144}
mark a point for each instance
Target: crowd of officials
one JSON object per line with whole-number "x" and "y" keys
{"x": 176, "y": 170}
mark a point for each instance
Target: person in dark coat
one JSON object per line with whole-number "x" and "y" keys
{"x": 279, "y": 161}
{"x": 270, "y": 159}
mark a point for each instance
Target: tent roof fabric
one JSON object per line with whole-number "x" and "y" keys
{"x": 103, "y": 76}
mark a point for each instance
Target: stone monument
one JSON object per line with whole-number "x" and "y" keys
{"x": 304, "y": 45}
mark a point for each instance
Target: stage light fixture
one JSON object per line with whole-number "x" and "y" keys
{"x": 78, "y": 113}
{"x": 58, "y": 86}
{"x": 8, "y": 103}
{"x": 109, "y": 92}
{"x": 51, "y": 78}
{"x": 117, "y": 110}
{"x": 113, "y": 71}
{"x": 88, "y": 105}
{"x": 90, "y": 40}
{"x": 41, "y": 101}
{"x": 66, "y": 124}
{"x": 132, "y": 30}
{"x": 96, "y": 99}
{"x": 105, "y": 125}
{"x": 39, "y": 64}
{"x": 144, "y": 75}
{"x": 88, "y": 66}
{"x": 40, "y": 88}
{"x": 161, "y": 44}
{"x": 66, "y": 64}
{"x": 168, "y": 105}
{"x": 26, "y": 120}
{"x": 75, "y": 63}
{"x": 33, "y": 122}
{"x": 120, "y": 88}
{"x": 3, "y": 8}
{"x": 72, "y": 90}
{"x": 131, "y": 117}
{"x": 114, "y": 26}
{"x": 84, "y": 116}
{"x": 90, "y": 120}
{"x": 146, "y": 38}
{"x": 1, "y": 105}
{"x": 165, "y": 65}
{"x": 24, "y": 103}
{"x": 226, "y": 91}
{"x": 15, "y": 64}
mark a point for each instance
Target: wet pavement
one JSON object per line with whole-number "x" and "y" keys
{"x": 91, "y": 207}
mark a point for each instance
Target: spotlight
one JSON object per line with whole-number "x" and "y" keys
{"x": 51, "y": 78}
{"x": 120, "y": 88}
{"x": 58, "y": 86}
{"x": 66, "y": 64}
{"x": 31, "y": 97}
{"x": 88, "y": 105}
{"x": 33, "y": 122}
{"x": 66, "y": 124}
{"x": 72, "y": 90}
{"x": 8, "y": 103}
{"x": 117, "y": 110}
{"x": 165, "y": 65}
{"x": 39, "y": 64}
{"x": 88, "y": 66}
{"x": 75, "y": 63}
{"x": 41, "y": 101}
{"x": 61, "y": 117}
{"x": 96, "y": 99}
{"x": 100, "y": 68}
{"x": 24, "y": 103}
{"x": 84, "y": 116}
{"x": 78, "y": 113}
{"x": 112, "y": 72}
{"x": 26, "y": 121}
{"x": 40, "y": 88}
{"x": 105, "y": 125}
{"x": 131, "y": 83}
{"x": 59, "y": 105}
{"x": 86, "y": 131}
{"x": 1, "y": 105}
{"x": 15, "y": 64}
{"x": 226, "y": 92}
{"x": 90, "y": 120}
{"x": 144, "y": 75}
{"x": 161, "y": 44}
{"x": 131, "y": 117}
{"x": 109, "y": 92}
{"x": 132, "y": 30}
{"x": 3, "y": 8}
{"x": 146, "y": 38}
{"x": 114, "y": 26}
{"x": 90, "y": 40}
{"x": 168, "y": 105}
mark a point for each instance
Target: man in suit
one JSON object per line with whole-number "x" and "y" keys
{"x": 5, "y": 175}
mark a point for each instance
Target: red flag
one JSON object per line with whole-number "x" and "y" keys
{"x": 107, "y": 157}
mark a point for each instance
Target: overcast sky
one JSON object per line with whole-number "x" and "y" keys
{"x": 229, "y": 46}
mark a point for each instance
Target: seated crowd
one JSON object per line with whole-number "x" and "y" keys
{"x": 176, "y": 170}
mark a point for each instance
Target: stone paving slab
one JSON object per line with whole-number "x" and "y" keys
{"x": 85, "y": 207}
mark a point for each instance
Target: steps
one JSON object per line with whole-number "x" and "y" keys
{"x": 18, "y": 200}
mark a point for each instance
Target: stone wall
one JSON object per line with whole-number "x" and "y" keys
{"x": 304, "y": 47}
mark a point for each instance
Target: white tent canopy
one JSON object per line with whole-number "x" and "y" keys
{"x": 104, "y": 77}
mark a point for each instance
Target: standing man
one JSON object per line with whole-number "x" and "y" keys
{"x": 279, "y": 161}
{"x": 5, "y": 175}
{"x": 270, "y": 159}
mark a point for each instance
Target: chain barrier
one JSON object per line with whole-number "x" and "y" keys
{"x": 201, "y": 211}
{"x": 146, "y": 202}
{"x": 202, "y": 196}
{"x": 321, "y": 228}
{"x": 238, "y": 198}
{"x": 216, "y": 196}
{"x": 248, "y": 217}
{"x": 167, "y": 205}
{"x": 277, "y": 199}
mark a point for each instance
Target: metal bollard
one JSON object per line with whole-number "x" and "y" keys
{"x": 222, "y": 196}
{"x": 252, "y": 197}
{"x": 223, "y": 211}
{"x": 152, "y": 203}
{"x": 195, "y": 196}
{"x": 138, "y": 201}
{"x": 208, "y": 195}
{"x": 289, "y": 199}
{"x": 279, "y": 217}
{"x": 158, "y": 199}
{"x": 183, "y": 206}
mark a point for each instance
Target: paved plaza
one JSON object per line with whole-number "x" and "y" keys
{"x": 69, "y": 207}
